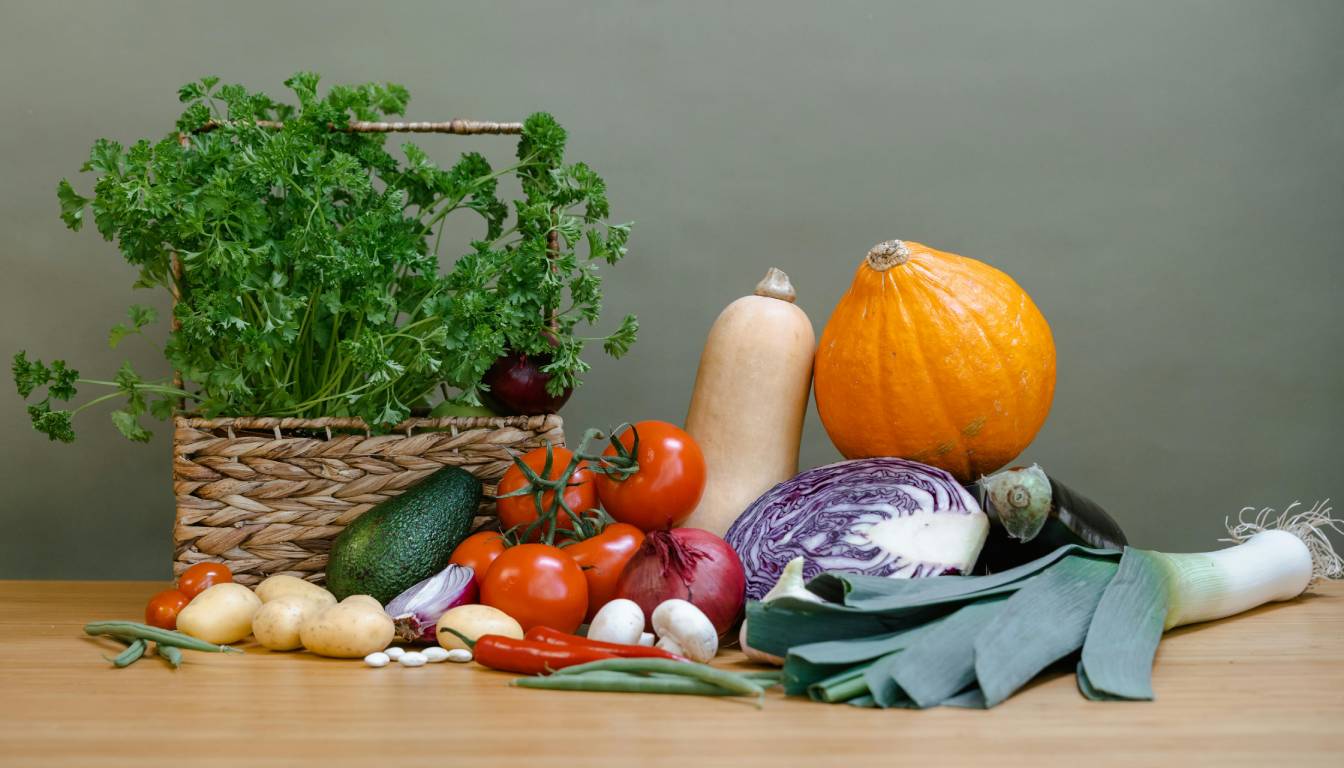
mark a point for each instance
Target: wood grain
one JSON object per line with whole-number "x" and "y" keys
{"x": 1266, "y": 688}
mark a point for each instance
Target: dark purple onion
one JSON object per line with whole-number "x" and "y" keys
{"x": 518, "y": 386}
{"x": 881, "y": 516}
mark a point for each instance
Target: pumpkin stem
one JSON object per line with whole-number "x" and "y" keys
{"x": 776, "y": 285}
{"x": 884, "y": 256}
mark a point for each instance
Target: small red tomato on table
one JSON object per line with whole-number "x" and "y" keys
{"x": 163, "y": 608}
{"x": 201, "y": 577}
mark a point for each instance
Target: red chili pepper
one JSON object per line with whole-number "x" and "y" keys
{"x": 531, "y": 657}
{"x": 556, "y": 637}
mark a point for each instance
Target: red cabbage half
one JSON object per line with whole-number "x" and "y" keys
{"x": 881, "y": 516}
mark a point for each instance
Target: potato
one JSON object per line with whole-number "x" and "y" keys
{"x": 474, "y": 621}
{"x": 221, "y": 614}
{"x": 368, "y": 600}
{"x": 277, "y": 624}
{"x": 281, "y": 585}
{"x": 348, "y": 630}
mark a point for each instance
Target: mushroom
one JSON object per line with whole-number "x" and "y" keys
{"x": 685, "y": 630}
{"x": 619, "y": 621}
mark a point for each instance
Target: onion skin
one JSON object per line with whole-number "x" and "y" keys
{"x": 693, "y": 565}
{"x": 518, "y": 387}
{"x": 416, "y": 612}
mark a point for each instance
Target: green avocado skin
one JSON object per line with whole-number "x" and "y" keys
{"x": 406, "y": 539}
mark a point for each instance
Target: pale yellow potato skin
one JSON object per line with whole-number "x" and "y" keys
{"x": 221, "y": 614}
{"x": 276, "y": 625}
{"x": 282, "y": 585}
{"x": 473, "y": 621}
{"x": 347, "y": 630}
{"x": 367, "y": 600}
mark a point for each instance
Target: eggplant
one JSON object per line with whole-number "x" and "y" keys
{"x": 1033, "y": 514}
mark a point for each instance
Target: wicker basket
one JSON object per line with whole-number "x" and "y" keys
{"x": 267, "y": 496}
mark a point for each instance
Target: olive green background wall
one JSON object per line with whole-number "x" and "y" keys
{"x": 1166, "y": 179}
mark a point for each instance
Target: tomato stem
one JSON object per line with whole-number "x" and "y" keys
{"x": 621, "y": 466}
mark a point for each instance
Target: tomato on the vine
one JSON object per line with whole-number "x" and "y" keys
{"x": 668, "y": 484}
{"x": 162, "y": 609}
{"x": 522, "y": 510}
{"x": 538, "y": 585}
{"x": 201, "y": 577}
{"x": 478, "y": 551}
{"x": 602, "y": 558}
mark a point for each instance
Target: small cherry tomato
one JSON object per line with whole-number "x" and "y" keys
{"x": 668, "y": 485}
{"x": 162, "y": 609}
{"x": 602, "y": 558}
{"x": 201, "y": 577}
{"x": 478, "y": 551}
{"x": 538, "y": 585}
{"x": 522, "y": 510}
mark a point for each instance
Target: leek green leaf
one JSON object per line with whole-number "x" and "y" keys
{"x": 1126, "y": 628}
{"x": 972, "y": 698}
{"x": 781, "y": 624}
{"x": 897, "y": 597}
{"x": 1044, "y": 621}
{"x": 881, "y": 684}
{"x": 941, "y": 662}
{"x": 865, "y": 701}
{"x": 841, "y": 686}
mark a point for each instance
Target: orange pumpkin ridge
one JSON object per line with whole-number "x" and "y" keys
{"x": 934, "y": 357}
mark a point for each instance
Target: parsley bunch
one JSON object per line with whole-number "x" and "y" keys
{"x": 310, "y": 281}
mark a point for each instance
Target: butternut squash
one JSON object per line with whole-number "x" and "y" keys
{"x": 749, "y": 400}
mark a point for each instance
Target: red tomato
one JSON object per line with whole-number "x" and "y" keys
{"x": 478, "y": 551}
{"x": 538, "y": 585}
{"x": 201, "y": 577}
{"x": 668, "y": 485}
{"x": 522, "y": 510}
{"x": 602, "y": 559}
{"x": 163, "y": 608}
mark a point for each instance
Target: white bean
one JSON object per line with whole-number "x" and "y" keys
{"x": 377, "y": 659}
{"x": 412, "y": 659}
{"x": 434, "y": 654}
{"x": 394, "y": 652}
{"x": 459, "y": 655}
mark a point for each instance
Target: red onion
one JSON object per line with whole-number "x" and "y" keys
{"x": 518, "y": 387}
{"x": 689, "y": 563}
{"x": 416, "y": 611}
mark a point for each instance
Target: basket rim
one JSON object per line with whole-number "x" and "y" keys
{"x": 354, "y": 422}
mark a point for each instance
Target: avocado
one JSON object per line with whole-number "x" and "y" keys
{"x": 406, "y": 539}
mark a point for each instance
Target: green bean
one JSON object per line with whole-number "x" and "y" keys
{"x": 170, "y": 654}
{"x": 723, "y": 679}
{"x": 623, "y": 682}
{"x": 138, "y": 631}
{"x": 765, "y": 679}
{"x": 129, "y": 656}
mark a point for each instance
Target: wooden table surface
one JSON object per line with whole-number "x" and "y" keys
{"x": 1266, "y": 688}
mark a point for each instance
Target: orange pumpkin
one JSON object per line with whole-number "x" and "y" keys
{"x": 937, "y": 358}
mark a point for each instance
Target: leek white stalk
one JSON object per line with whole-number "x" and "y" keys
{"x": 1275, "y": 558}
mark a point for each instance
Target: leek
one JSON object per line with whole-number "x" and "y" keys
{"x": 972, "y": 641}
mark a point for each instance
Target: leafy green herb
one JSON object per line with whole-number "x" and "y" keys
{"x": 310, "y": 281}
